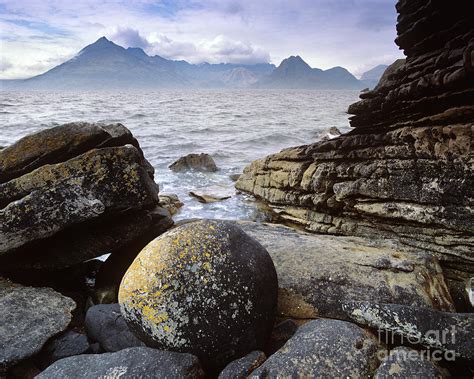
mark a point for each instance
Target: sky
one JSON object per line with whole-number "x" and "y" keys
{"x": 36, "y": 35}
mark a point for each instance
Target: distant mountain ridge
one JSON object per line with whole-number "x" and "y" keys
{"x": 106, "y": 65}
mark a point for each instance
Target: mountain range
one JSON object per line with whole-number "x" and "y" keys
{"x": 106, "y": 65}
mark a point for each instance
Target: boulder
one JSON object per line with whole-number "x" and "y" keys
{"x": 65, "y": 345}
{"x": 318, "y": 273}
{"x": 199, "y": 162}
{"x": 405, "y": 169}
{"x": 452, "y": 333}
{"x": 30, "y": 316}
{"x": 407, "y": 363}
{"x": 242, "y": 367}
{"x": 206, "y": 288}
{"x": 324, "y": 348}
{"x": 105, "y": 324}
{"x": 136, "y": 362}
{"x": 75, "y": 179}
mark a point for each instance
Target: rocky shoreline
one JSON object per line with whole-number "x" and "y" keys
{"x": 377, "y": 285}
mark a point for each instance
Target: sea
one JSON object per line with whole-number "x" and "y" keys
{"x": 234, "y": 126}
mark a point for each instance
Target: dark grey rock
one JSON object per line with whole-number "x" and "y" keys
{"x": 241, "y": 368}
{"x": 281, "y": 333}
{"x": 453, "y": 333}
{"x": 324, "y": 348}
{"x": 205, "y": 288}
{"x": 105, "y": 324}
{"x": 136, "y": 362}
{"x": 199, "y": 162}
{"x": 407, "y": 363}
{"x": 30, "y": 316}
{"x": 65, "y": 345}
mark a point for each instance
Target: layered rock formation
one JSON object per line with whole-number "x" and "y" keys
{"x": 406, "y": 169}
{"x": 71, "y": 193}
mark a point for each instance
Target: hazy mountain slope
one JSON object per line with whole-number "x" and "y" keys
{"x": 371, "y": 78}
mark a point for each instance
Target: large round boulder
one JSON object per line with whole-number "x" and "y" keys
{"x": 205, "y": 288}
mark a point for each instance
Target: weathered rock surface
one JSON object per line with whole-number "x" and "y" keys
{"x": 242, "y": 367}
{"x": 65, "y": 345}
{"x": 30, "y": 316}
{"x": 199, "y": 162}
{"x": 453, "y": 333}
{"x": 405, "y": 171}
{"x": 87, "y": 180}
{"x": 105, "y": 324}
{"x": 324, "y": 348}
{"x": 206, "y": 288}
{"x": 318, "y": 273}
{"x": 136, "y": 362}
{"x": 407, "y": 363}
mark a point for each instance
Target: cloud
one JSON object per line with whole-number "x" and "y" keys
{"x": 5, "y": 65}
{"x": 129, "y": 37}
{"x": 220, "y": 49}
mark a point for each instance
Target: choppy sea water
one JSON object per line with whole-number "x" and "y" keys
{"x": 235, "y": 127}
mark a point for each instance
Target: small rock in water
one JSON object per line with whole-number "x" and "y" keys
{"x": 407, "y": 363}
{"x": 205, "y": 288}
{"x": 30, "y": 316}
{"x": 106, "y": 325}
{"x": 135, "y": 362}
{"x": 170, "y": 202}
{"x": 241, "y": 368}
{"x": 451, "y": 333}
{"x": 65, "y": 345}
{"x": 324, "y": 348}
{"x": 203, "y": 198}
{"x": 199, "y": 162}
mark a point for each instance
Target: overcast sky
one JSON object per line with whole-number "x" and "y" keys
{"x": 36, "y": 35}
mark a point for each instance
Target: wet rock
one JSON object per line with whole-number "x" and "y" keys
{"x": 324, "y": 348}
{"x": 137, "y": 362}
{"x": 65, "y": 345}
{"x": 318, "y": 273}
{"x": 241, "y": 368}
{"x": 204, "y": 198}
{"x": 30, "y": 316}
{"x": 105, "y": 324}
{"x": 205, "y": 288}
{"x": 407, "y": 363}
{"x": 170, "y": 202}
{"x": 75, "y": 179}
{"x": 234, "y": 177}
{"x": 405, "y": 170}
{"x": 199, "y": 162}
{"x": 451, "y": 333}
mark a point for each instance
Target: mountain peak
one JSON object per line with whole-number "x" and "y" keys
{"x": 102, "y": 41}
